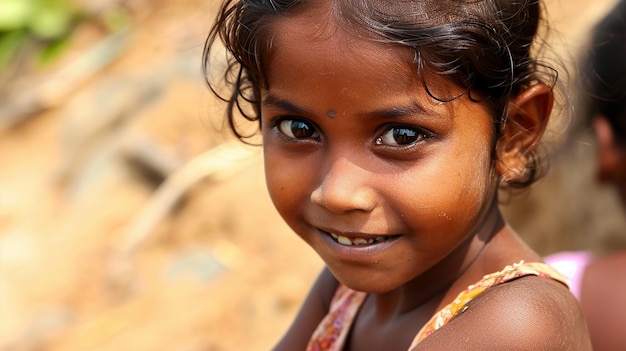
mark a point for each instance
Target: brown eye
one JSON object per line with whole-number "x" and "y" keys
{"x": 297, "y": 129}
{"x": 400, "y": 136}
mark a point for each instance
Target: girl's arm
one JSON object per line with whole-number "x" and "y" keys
{"x": 311, "y": 313}
{"x": 529, "y": 313}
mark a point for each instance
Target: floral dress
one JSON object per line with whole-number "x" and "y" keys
{"x": 333, "y": 330}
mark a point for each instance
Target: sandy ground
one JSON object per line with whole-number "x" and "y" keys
{"x": 113, "y": 238}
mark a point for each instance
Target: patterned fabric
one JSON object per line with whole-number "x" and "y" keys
{"x": 333, "y": 330}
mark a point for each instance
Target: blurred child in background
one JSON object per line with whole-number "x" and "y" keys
{"x": 600, "y": 283}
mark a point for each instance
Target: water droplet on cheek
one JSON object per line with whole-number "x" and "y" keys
{"x": 445, "y": 216}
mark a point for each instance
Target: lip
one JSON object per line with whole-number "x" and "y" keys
{"x": 365, "y": 252}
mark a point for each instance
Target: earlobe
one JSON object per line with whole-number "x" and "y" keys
{"x": 527, "y": 120}
{"x": 608, "y": 152}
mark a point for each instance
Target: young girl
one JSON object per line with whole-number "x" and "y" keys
{"x": 388, "y": 126}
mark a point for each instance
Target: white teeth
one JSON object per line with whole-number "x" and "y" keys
{"x": 344, "y": 240}
{"x": 361, "y": 241}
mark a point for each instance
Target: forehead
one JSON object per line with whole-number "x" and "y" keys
{"x": 316, "y": 40}
{"x": 311, "y": 47}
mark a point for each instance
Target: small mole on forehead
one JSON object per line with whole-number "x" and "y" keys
{"x": 331, "y": 113}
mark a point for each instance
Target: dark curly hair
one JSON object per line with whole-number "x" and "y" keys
{"x": 484, "y": 46}
{"x": 604, "y": 72}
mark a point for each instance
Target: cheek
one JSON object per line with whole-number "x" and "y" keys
{"x": 479, "y": 187}
{"x": 464, "y": 188}
{"x": 275, "y": 179}
{"x": 285, "y": 181}
{"x": 479, "y": 171}
{"x": 275, "y": 168}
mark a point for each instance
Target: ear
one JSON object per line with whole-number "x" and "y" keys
{"x": 527, "y": 120}
{"x": 608, "y": 152}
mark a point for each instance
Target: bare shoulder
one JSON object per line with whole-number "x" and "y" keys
{"x": 529, "y": 313}
{"x": 313, "y": 310}
{"x": 602, "y": 298}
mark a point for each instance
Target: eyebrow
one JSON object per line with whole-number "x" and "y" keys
{"x": 384, "y": 113}
{"x": 395, "y": 112}
{"x": 276, "y": 102}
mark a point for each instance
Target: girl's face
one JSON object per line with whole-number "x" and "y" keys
{"x": 380, "y": 179}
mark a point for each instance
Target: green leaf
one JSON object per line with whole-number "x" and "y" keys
{"x": 15, "y": 14}
{"x": 51, "y": 22}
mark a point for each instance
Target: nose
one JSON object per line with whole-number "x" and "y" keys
{"x": 344, "y": 188}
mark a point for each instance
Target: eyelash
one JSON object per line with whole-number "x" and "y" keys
{"x": 409, "y": 131}
{"x": 278, "y": 125}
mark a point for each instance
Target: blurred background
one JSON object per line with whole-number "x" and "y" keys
{"x": 130, "y": 219}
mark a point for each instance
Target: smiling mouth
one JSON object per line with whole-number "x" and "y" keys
{"x": 344, "y": 240}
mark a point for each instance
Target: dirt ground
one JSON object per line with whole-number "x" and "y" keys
{"x": 129, "y": 220}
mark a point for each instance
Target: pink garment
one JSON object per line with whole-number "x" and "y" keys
{"x": 571, "y": 264}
